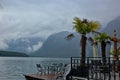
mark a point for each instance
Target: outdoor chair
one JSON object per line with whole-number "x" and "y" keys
{"x": 41, "y": 69}
{"x": 60, "y": 67}
{"x": 52, "y": 69}
{"x": 65, "y": 71}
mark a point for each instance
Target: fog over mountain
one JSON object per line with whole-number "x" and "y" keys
{"x": 21, "y": 19}
{"x": 25, "y": 25}
{"x": 56, "y": 45}
{"x": 25, "y": 45}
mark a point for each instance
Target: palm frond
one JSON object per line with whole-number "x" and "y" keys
{"x": 70, "y": 36}
{"x": 84, "y": 26}
{"x": 98, "y": 33}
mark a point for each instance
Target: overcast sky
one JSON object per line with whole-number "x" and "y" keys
{"x": 41, "y": 18}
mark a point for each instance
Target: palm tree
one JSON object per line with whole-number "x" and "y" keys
{"x": 103, "y": 39}
{"x": 84, "y": 27}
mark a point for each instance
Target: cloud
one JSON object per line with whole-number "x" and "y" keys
{"x": 41, "y": 18}
{"x": 37, "y": 46}
{"x": 3, "y": 44}
{"x": 1, "y": 4}
{"x": 34, "y": 47}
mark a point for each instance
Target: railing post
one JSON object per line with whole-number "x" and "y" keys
{"x": 109, "y": 67}
{"x": 71, "y": 63}
{"x": 71, "y": 69}
{"x": 114, "y": 69}
{"x": 88, "y": 66}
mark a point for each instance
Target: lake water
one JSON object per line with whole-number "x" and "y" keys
{"x": 13, "y": 68}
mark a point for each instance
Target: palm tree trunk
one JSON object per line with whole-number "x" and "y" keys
{"x": 115, "y": 50}
{"x": 95, "y": 52}
{"x": 83, "y": 49}
{"x": 103, "y": 49}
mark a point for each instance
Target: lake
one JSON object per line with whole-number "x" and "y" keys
{"x": 13, "y": 68}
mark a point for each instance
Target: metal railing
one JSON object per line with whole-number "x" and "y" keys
{"x": 96, "y": 68}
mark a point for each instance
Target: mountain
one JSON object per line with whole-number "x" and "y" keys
{"x": 12, "y": 54}
{"x": 57, "y": 46}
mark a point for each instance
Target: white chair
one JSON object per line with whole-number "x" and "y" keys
{"x": 41, "y": 69}
{"x": 60, "y": 68}
{"x": 65, "y": 73}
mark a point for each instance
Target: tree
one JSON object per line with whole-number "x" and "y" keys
{"x": 115, "y": 40}
{"x": 103, "y": 39}
{"x": 84, "y": 27}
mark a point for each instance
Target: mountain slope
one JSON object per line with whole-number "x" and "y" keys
{"x": 113, "y": 25}
{"x": 12, "y": 54}
{"x": 57, "y": 46}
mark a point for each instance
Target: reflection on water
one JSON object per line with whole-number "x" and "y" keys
{"x": 13, "y": 68}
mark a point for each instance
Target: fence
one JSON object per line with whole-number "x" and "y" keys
{"x": 96, "y": 68}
